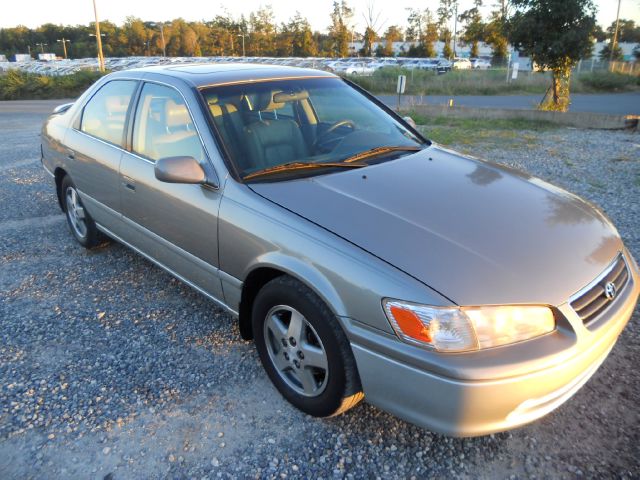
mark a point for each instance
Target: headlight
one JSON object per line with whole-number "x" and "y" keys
{"x": 460, "y": 329}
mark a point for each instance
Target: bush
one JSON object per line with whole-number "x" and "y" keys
{"x": 607, "y": 82}
{"x": 17, "y": 85}
{"x": 489, "y": 82}
{"x": 456, "y": 82}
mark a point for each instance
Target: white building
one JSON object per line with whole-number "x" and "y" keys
{"x": 400, "y": 48}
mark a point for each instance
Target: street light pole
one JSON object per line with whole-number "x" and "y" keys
{"x": 455, "y": 31}
{"x": 242, "y": 35}
{"x": 98, "y": 39}
{"x": 615, "y": 35}
{"x": 64, "y": 45}
{"x": 164, "y": 45}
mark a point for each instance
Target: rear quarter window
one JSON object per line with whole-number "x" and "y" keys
{"x": 105, "y": 114}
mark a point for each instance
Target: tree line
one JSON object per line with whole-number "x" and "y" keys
{"x": 224, "y": 35}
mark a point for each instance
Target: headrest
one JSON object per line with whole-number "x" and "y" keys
{"x": 176, "y": 114}
{"x": 265, "y": 103}
{"x": 117, "y": 104}
{"x": 216, "y": 110}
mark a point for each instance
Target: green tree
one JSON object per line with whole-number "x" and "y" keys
{"x": 368, "y": 39}
{"x": 422, "y": 28}
{"x": 495, "y": 33}
{"x": 339, "y": 30}
{"x": 295, "y": 38}
{"x": 133, "y": 36}
{"x": 628, "y": 31}
{"x": 605, "y": 53}
{"x": 392, "y": 34}
{"x": 262, "y": 32}
{"x": 556, "y": 34}
{"x": 446, "y": 11}
{"x": 473, "y": 32}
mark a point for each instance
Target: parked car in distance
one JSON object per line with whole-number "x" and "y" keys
{"x": 362, "y": 259}
{"x": 461, "y": 64}
{"x": 355, "y": 68}
{"x": 480, "y": 63}
{"x": 438, "y": 65}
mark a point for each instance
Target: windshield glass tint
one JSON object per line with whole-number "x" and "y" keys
{"x": 318, "y": 120}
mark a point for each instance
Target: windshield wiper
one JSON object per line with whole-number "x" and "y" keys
{"x": 374, "y": 152}
{"x": 291, "y": 166}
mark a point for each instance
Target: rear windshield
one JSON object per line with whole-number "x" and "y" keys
{"x": 271, "y": 123}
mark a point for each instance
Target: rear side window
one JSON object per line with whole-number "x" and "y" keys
{"x": 163, "y": 126}
{"x": 105, "y": 114}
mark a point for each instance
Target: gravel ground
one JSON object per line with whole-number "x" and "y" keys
{"x": 109, "y": 368}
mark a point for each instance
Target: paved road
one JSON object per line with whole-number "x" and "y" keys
{"x": 612, "y": 103}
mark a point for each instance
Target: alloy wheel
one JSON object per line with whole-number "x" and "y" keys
{"x": 75, "y": 213}
{"x": 296, "y": 351}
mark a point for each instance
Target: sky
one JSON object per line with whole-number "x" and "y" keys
{"x": 33, "y": 13}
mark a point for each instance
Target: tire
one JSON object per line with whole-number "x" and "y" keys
{"x": 315, "y": 370}
{"x": 82, "y": 226}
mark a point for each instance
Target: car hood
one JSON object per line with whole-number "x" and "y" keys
{"x": 476, "y": 232}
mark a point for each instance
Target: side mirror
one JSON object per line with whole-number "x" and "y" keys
{"x": 410, "y": 121}
{"x": 179, "y": 170}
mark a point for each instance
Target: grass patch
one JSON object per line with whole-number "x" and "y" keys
{"x": 482, "y": 123}
{"x": 606, "y": 82}
{"x": 17, "y": 85}
{"x": 463, "y": 132}
{"x": 490, "y": 82}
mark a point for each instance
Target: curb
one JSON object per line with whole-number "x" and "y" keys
{"x": 570, "y": 119}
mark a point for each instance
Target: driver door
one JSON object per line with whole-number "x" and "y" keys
{"x": 174, "y": 224}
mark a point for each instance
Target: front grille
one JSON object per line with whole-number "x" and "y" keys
{"x": 593, "y": 300}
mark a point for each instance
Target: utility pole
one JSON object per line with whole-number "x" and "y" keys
{"x": 29, "y": 50}
{"x": 455, "y": 30}
{"x": 41, "y": 45}
{"x": 615, "y": 35}
{"x": 164, "y": 45}
{"x": 64, "y": 45}
{"x": 98, "y": 39}
{"x": 243, "y": 51}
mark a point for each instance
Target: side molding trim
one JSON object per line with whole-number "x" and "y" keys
{"x": 168, "y": 270}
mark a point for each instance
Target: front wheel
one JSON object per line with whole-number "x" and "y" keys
{"x": 304, "y": 350}
{"x": 80, "y": 222}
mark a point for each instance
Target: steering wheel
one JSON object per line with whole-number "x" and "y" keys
{"x": 321, "y": 139}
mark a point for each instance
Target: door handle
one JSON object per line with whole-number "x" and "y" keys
{"x": 129, "y": 183}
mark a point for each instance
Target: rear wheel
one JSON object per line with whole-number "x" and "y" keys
{"x": 80, "y": 222}
{"x": 304, "y": 350}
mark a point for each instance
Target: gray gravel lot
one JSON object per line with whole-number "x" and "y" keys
{"x": 108, "y": 366}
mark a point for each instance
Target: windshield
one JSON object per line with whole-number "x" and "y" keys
{"x": 276, "y": 123}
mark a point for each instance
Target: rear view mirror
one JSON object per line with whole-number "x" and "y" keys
{"x": 410, "y": 121}
{"x": 179, "y": 170}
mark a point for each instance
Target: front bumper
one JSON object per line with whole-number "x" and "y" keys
{"x": 474, "y": 401}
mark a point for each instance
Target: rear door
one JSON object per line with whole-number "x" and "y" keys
{"x": 95, "y": 146}
{"x": 175, "y": 224}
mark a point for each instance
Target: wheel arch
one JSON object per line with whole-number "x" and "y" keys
{"x": 277, "y": 265}
{"x": 59, "y": 174}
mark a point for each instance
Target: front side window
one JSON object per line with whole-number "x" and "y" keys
{"x": 163, "y": 126}
{"x": 105, "y": 114}
{"x": 310, "y": 122}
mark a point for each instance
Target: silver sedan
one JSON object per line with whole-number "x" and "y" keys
{"x": 364, "y": 260}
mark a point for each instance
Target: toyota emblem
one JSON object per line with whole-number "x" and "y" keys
{"x": 610, "y": 290}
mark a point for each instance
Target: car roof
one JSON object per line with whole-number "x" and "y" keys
{"x": 209, "y": 74}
